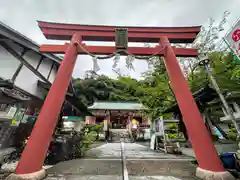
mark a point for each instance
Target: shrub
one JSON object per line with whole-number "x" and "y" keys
{"x": 172, "y": 131}
{"x": 91, "y": 134}
{"x": 232, "y": 134}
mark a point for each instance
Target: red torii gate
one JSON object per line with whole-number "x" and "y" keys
{"x": 38, "y": 143}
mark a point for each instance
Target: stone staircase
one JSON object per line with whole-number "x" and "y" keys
{"x": 120, "y": 134}
{"x": 140, "y": 164}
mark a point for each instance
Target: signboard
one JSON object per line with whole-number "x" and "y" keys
{"x": 74, "y": 118}
{"x": 233, "y": 40}
{"x": 121, "y": 38}
{"x": 153, "y": 141}
{"x": 123, "y": 113}
{"x": 160, "y": 127}
{"x": 16, "y": 94}
{"x": 160, "y": 132}
{"x": 18, "y": 116}
{"x": 12, "y": 112}
{"x": 15, "y": 122}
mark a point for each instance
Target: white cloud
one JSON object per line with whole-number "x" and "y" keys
{"x": 23, "y": 14}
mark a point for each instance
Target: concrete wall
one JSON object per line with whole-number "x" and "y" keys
{"x": 26, "y": 79}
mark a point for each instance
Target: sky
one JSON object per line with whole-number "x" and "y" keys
{"x": 22, "y": 15}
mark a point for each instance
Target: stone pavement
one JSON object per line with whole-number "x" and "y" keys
{"x": 141, "y": 164}
{"x": 221, "y": 148}
{"x": 132, "y": 151}
{"x": 109, "y": 177}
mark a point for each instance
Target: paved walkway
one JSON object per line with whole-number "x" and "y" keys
{"x": 141, "y": 163}
{"x": 221, "y": 148}
{"x": 131, "y": 150}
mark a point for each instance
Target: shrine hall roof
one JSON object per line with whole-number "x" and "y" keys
{"x": 103, "y": 105}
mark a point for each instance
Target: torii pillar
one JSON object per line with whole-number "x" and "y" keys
{"x": 33, "y": 156}
{"x": 209, "y": 163}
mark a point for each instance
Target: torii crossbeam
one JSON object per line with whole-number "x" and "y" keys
{"x": 38, "y": 143}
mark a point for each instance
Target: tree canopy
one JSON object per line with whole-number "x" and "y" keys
{"x": 154, "y": 90}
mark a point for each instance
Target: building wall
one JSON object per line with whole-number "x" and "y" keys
{"x": 90, "y": 120}
{"x": 32, "y": 58}
{"x": 53, "y": 74}
{"x": 8, "y": 64}
{"x": 145, "y": 122}
{"x": 26, "y": 79}
{"x": 45, "y": 67}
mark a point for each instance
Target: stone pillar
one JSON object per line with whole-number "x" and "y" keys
{"x": 206, "y": 154}
{"x": 130, "y": 117}
{"x": 33, "y": 156}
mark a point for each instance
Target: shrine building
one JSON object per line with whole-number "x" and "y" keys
{"x": 119, "y": 113}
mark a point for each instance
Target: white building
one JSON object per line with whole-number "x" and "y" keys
{"x": 25, "y": 76}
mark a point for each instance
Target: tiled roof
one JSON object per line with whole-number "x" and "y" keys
{"x": 117, "y": 106}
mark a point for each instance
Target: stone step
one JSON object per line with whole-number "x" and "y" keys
{"x": 112, "y": 177}
{"x": 137, "y": 169}
{"x": 121, "y": 136}
{"x": 80, "y": 177}
{"x": 87, "y": 167}
{"x": 183, "y": 169}
{"x": 108, "y": 165}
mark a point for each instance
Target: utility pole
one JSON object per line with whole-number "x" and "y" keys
{"x": 205, "y": 62}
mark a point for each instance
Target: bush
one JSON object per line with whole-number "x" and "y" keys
{"x": 93, "y": 127}
{"x": 172, "y": 131}
{"x": 232, "y": 134}
{"x": 172, "y": 136}
{"x": 172, "y": 126}
{"x": 91, "y": 134}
